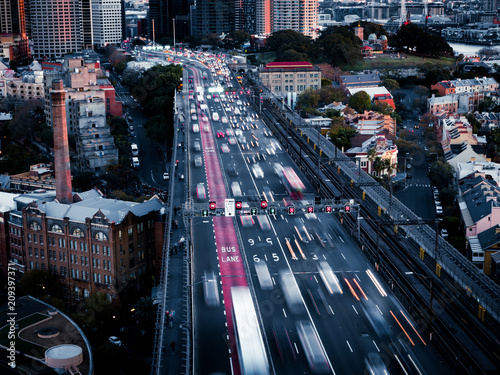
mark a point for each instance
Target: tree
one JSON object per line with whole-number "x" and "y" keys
{"x": 370, "y": 28}
{"x": 413, "y": 38}
{"x": 390, "y": 84}
{"x": 286, "y": 37}
{"x": 235, "y": 39}
{"x": 39, "y": 283}
{"x": 341, "y": 135}
{"x": 476, "y": 125}
{"x": 486, "y": 105}
{"x": 100, "y": 305}
{"x": 340, "y": 49}
{"x": 24, "y": 124}
{"x": 382, "y": 107}
{"x": 441, "y": 174}
{"x": 406, "y": 147}
{"x": 145, "y": 310}
{"x": 360, "y": 101}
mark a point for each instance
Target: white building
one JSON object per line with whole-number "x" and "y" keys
{"x": 56, "y": 27}
{"x": 107, "y": 22}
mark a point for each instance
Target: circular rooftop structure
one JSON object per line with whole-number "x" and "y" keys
{"x": 372, "y": 37}
{"x": 383, "y": 37}
{"x": 48, "y": 332}
{"x": 64, "y": 356}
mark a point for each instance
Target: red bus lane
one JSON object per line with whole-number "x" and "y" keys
{"x": 230, "y": 262}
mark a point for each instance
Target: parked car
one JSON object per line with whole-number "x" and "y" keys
{"x": 115, "y": 341}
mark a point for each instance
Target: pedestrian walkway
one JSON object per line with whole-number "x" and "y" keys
{"x": 175, "y": 333}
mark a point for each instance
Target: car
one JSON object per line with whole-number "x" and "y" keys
{"x": 235, "y": 187}
{"x": 257, "y": 171}
{"x": 200, "y": 191}
{"x": 439, "y": 210}
{"x": 232, "y": 170}
{"x": 198, "y": 162}
{"x": 210, "y": 289}
{"x": 220, "y": 135}
{"x": 231, "y": 140}
{"x": 166, "y": 176}
{"x": 194, "y": 117}
{"x": 246, "y": 220}
{"x": 115, "y": 341}
{"x": 225, "y": 148}
{"x": 444, "y": 233}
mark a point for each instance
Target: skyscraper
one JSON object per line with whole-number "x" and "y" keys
{"x": 56, "y": 27}
{"x": 213, "y": 17}
{"x": 12, "y": 17}
{"x": 106, "y": 22}
{"x": 165, "y": 14}
{"x": 88, "y": 33}
{"x": 14, "y": 43}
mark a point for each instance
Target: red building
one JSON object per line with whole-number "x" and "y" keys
{"x": 113, "y": 106}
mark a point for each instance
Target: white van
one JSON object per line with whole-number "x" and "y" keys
{"x": 196, "y": 128}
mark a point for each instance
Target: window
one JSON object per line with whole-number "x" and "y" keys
{"x": 77, "y": 232}
{"x": 29, "y": 237}
{"x": 100, "y": 236}
{"x": 56, "y": 228}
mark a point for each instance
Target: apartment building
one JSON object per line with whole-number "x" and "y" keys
{"x": 383, "y": 147}
{"x": 86, "y": 106}
{"x": 94, "y": 244}
{"x": 284, "y": 77}
{"x": 372, "y": 123}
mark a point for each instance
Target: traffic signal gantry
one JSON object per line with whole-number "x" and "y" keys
{"x": 233, "y": 207}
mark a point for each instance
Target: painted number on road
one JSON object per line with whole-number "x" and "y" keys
{"x": 251, "y": 241}
{"x": 275, "y": 256}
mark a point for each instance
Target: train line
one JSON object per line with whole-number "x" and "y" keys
{"x": 468, "y": 344}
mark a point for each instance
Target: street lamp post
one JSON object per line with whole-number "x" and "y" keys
{"x": 173, "y": 23}
{"x": 431, "y": 297}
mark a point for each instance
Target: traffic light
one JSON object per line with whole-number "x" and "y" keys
{"x": 310, "y": 209}
{"x": 347, "y": 208}
{"x": 253, "y": 211}
{"x": 204, "y": 213}
{"x": 212, "y": 206}
{"x": 263, "y": 204}
{"x": 238, "y": 205}
{"x": 291, "y": 210}
{"x": 272, "y": 210}
{"x": 328, "y": 209}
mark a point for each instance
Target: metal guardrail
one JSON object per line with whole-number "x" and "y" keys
{"x": 463, "y": 271}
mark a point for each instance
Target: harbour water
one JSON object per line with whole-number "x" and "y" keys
{"x": 469, "y": 49}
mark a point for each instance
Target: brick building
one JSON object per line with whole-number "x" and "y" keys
{"x": 94, "y": 244}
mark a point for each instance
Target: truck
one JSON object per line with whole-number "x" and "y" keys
{"x": 135, "y": 149}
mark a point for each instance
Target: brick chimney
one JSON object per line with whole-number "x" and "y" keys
{"x": 61, "y": 149}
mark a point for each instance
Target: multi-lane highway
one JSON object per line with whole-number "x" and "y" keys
{"x": 340, "y": 317}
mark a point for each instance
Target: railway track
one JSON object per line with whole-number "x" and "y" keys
{"x": 467, "y": 344}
